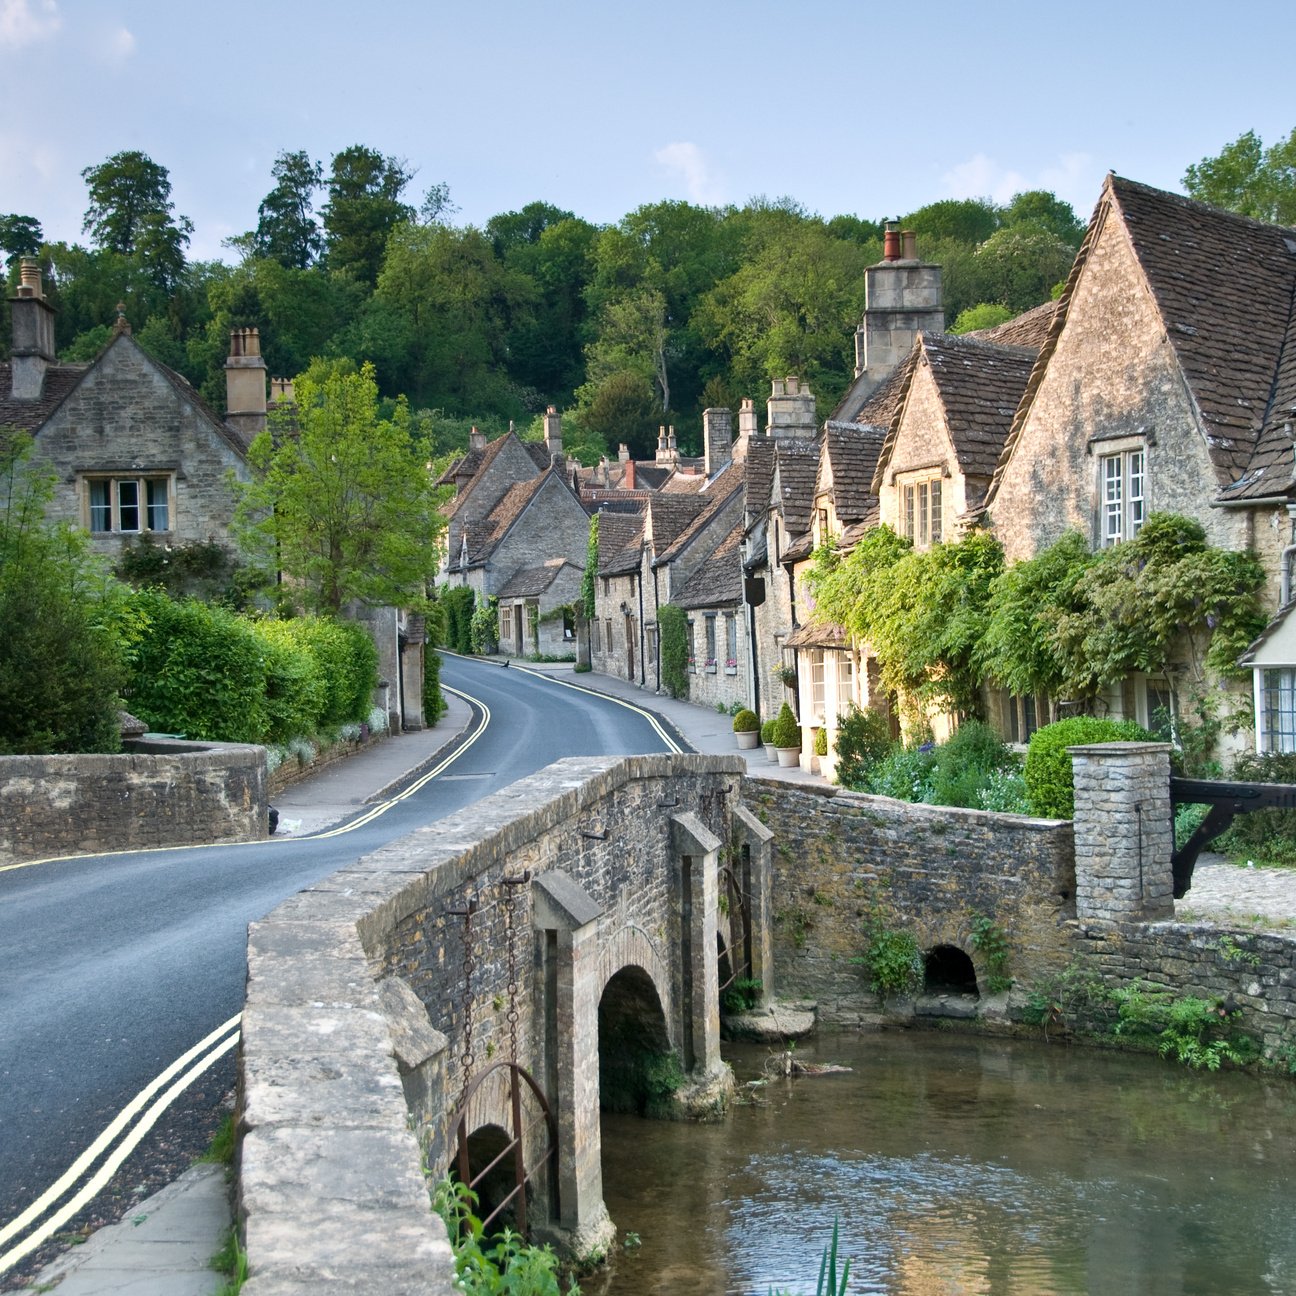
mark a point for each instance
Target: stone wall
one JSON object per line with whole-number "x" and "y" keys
{"x": 841, "y": 857}
{"x": 160, "y": 793}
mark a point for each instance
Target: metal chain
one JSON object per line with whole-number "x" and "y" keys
{"x": 466, "y": 1059}
{"x": 511, "y": 887}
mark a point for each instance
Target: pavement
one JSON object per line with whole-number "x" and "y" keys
{"x": 165, "y": 1245}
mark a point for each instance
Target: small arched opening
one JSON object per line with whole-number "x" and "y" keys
{"x": 638, "y": 1070}
{"x": 947, "y": 970}
{"x": 492, "y": 1174}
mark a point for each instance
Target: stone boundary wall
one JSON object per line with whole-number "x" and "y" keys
{"x": 1256, "y": 970}
{"x": 157, "y": 793}
{"x": 343, "y": 1072}
{"x": 840, "y": 857}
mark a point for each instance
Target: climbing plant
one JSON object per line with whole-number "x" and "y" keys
{"x": 591, "y": 570}
{"x": 673, "y": 626}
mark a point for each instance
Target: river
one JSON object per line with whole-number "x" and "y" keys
{"x": 958, "y": 1164}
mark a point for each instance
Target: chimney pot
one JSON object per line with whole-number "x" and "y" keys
{"x": 29, "y": 273}
{"x": 891, "y": 242}
{"x": 908, "y": 245}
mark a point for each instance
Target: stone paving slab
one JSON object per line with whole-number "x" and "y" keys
{"x": 162, "y": 1248}
{"x": 1247, "y": 896}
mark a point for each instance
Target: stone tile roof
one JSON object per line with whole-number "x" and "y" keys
{"x": 718, "y": 581}
{"x": 539, "y": 453}
{"x": 720, "y": 490}
{"x": 531, "y": 582}
{"x": 483, "y": 536}
{"x": 488, "y": 457}
{"x": 798, "y": 466}
{"x": 465, "y": 466}
{"x": 980, "y": 386}
{"x": 27, "y": 416}
{"x": 880, "y": 408}
{"x": 758, "y": 475}
{"x": 670, "y": 515}
{"x": 852, "y": 451}
{"x": 619, "y": 538}
{"x": 679, "y": 483}
{"x": 800, "y": 548}
{"x": 1026, "y": 330}
{"x": 817, "y": 634}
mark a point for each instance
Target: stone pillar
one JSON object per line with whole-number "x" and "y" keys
{"x": 717, "y": 439}
{"x": 412, "y": 647}
{"x": 754, "y": 844}
{"x": 697, "y": 860}
{"x": 566, "y": 919}
{"x": 32, "y": 319}
{"x": 790, "y": 410}
{"x": 1124, "y": 832}
{"x": 245, "y": 383}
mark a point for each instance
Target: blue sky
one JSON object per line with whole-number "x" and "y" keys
{"x": 601, "y": 106}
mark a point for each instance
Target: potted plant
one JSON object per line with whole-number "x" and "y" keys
{"x": 787, "y": 737}
{"x": 767, "y": 740}
{"x": 822, "y": 764}
{"x": 786, "y": 675}
{"x": 746, "y": 729}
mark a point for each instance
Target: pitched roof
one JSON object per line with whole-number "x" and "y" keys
{"x": 619, "y": 537}
{"x": 465, "y": 466}
{"x": 684, "y": 483}
{"x": 669, "y": 515}
{"x": 798, "y": 466}
{"x": 852, "y": 452}
{"x": 880, "y": 407}
{"x": 27, "y": 416}
{"x": 1028, "y": 329}
{"x": 719, "y": 491}
{"x": 530, "y": 582}
{"x": 483, "y": 536}
{"x": 758, "y": 476}
{"x": 717, "y": 581}
{"x": 488, "y": 457}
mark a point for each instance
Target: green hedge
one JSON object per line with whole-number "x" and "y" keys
{"x": 1048, "y": 767}
{"x": 348, "y": 665}
{"x": 673, "y": 627}
{"x": 458, "y": 602}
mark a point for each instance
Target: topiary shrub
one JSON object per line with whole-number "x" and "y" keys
{"x": 821, "y": 742}
{"x": 1048, "y": 767}
{"x": 745, "y": 721}
{"x": 863, "y": 739}
{"x": 787, "y": 733}
{"x": 767, "y": 732}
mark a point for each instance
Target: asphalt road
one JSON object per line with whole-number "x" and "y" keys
{"x": 112, "y": 966}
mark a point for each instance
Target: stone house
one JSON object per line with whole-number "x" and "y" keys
{"x": 517, "y": 533}
{"x": 137, "y": 453}
{"x": 135, "y": 450}
{"x": 1166, "y": 382}
{"x": 614, "y": 629}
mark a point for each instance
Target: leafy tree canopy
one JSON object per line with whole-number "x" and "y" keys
{"x": 20, "y": 236}
{"x": 364, "y": 206}
{"x": 1246, "y": 177}
{"x": 340, "y": 498}
{"x": 287, "y": 231}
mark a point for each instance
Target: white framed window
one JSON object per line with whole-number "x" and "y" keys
{"x": 817, "y": 682}
{"x": 845, "y": 679}
{"x": 506, "y": 623}
{"x": 1276, "y": 709}
{"x": 128, "y": 504}
{"x": 1122, "y": 496}
{"x": 921, "y": 514}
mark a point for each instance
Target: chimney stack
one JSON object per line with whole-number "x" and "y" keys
{"x": 717, "y": 440}
{"x": 32, "y": 351}
{"x": 281, "y": 391}
{"x": 553, "y": 434}
{"x": 747, "y": 421}
{"x": 628, "y": 481}
{"x": 790, "y": 411}
{"x": 623, "y": 452}
{"x": 245, "y": 383}
{"x": 476, "y": 440}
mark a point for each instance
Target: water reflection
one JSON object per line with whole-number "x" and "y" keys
{"x": 958, "y": 1165}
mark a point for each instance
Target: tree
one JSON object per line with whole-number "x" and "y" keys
{"x": 983, "y": 315}
{"x": 1246, "y": 177}
{"x": 1018, "y": 267}
{"x": 363, "y": 208}
{"x": 620, "y": 408}
{"x": 60, "y": 662}
{"x": 340, "y": 501}
{"x": 1042, "y": 210}
{"x": 20, "y": 236}
{"x": 130, "y": 213}
{"x": 286, "y": 230}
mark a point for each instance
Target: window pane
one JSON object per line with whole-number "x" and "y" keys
{"x": 1112, "y": 501}
{"x": 731, "y": 638}
{"x": 1136, "y": 483}
{"x": 922, "y": 515}
{"x": 128, "y": 506}
{"x": 936, "y": 530}
{"x": 909, "y": 512}
{"x": 710, "y": 638}
{"x": 100, "y": 507}
{"x": 157, "y": 504}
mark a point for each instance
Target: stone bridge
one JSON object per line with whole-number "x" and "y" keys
{"x": 569, "y": 926}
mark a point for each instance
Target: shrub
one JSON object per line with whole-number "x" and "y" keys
{"x": 434, "y": 704}
{"x": 295, "y": 689}
{"x": 745, "y": 721}
{"x": 787, "y": 733}
{"x": 1268, "y": 834}
{"x": 484, "y": 628}
{"x": 893, "y": 960}
{"x": 1005, "y": 792}
{"x": 863, "y": 739}
{"x": 767, "y": 732}
{"x": 458, "y": 601}
{"x": 348, "y": 665}
{"x": 198, "y": 670}
{"x": 1048, "y": 767}
{"x": 904, "y": 773}
{"x": 821, "y": 742}
{"x": 964, "y": 764}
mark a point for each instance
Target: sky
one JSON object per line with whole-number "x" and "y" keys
{"x": 599, "y": 106}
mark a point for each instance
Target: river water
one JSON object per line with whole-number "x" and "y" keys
{"x": 955, "y": 1164}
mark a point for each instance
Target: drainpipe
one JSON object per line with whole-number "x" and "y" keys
{"x": 643, "y": 673}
